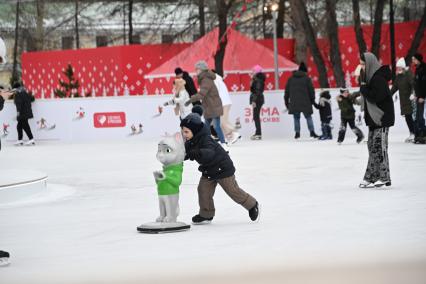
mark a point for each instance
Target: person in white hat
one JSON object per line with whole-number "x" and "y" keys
{"x": 404, "y": 84}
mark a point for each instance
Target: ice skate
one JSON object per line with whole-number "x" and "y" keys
{"x": 19, "y": 143}
{"x": 4, "y": 258}
{"x": 30, "y": 143}
{"x": 380, "y": 183}
{"x": 200, "y": 220}
{"x": 366, "y": 184}
{"x": 254, "y": 212}
{"x": 410, "y": 138}
{"x": 235, "y": 137}
{"x": 256, "y": 137}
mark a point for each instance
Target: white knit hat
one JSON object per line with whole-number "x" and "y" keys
{"x": 401, "y": 63}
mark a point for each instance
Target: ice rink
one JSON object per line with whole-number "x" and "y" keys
{"x": 316, "y": 225}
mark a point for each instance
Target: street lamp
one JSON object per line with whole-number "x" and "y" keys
{"x": 274, "y": 9}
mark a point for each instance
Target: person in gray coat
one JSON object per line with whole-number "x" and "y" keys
{"x": 299, "y": 97}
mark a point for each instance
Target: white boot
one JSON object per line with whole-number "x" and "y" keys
{"x": 366, "y": 184}
{"x": 235, "y": 137}
{"x": 30, "y": 143}
{"x": 410, "y": 138}
{"x": 19, "y": 143}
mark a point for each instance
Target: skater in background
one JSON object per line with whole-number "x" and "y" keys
{"x": 379, "y": 115}
{"x": 189, "y": 83}
{"x": 4, "y": 255}
{"x": 228, "y": 129}
{"x": 420, "y": 89}
{"x": 346, "y": 103}
{"x": 179, "y": 98}
{"x": 324, "y": 107}
{"x": 216, "y": 167}
{"x": 404, "y": 84}
{"x": 257, "y": 99}
{"x": 23, "y": 102}
{"x": 299, "y": 97}
{"x": 210, "y": 99}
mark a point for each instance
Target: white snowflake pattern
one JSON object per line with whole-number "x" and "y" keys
{"x": 400, "y": 45}
{"x": 125, "y": 78}
{"x": 148, "y": 65}
{"x": 132, "y": 87}
{"x": 350, "y": 49}
{"x": 138, "y": 83}
{"x": 105, "y": 68}
{"x": 140, "y": 71}
{"x": 129, "y": 66}
{"x": 384, "y": 47}
{"x": 234, "y": 88}
{"x": 270, "y": 86}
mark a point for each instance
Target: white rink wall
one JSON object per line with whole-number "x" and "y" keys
{"x": 74, "y": 119}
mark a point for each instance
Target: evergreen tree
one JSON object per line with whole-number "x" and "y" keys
{"x": 70, "y": 88}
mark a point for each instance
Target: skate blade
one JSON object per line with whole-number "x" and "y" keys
{"x": 202, "y": 223}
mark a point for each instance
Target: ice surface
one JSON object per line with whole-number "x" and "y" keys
{"x": 313, "y": 215}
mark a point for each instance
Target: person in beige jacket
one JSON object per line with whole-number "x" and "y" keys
{"x": 208, "y": 94}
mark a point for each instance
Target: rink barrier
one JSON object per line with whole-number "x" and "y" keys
{"x": 140, "y": 117}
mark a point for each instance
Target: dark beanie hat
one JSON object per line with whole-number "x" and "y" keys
{"x": 193, "y": 122}
{"x": 418, "y": 56}
{"x": 198, "y": 109}
{"x": 302, "y": 67}
{"x": 178, "y": 71}
{"x": 326, "y": 95}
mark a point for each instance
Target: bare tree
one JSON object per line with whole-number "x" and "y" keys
{"x": 333, "y": 36}
{"x": 280, "y": 18}
{"x": 311, "y": 40}
{"x": 15, "y": 75}
{"x": 39, "y": 36}
{"x": 377, "y": 29}
{"x": 222, "y": 12}
{"x": 130, "y": 21}
{"x": 417, "y": 37}
{"x": 362, "y": 46}
{"x": 300, "y": 44}
{"x": 202, "y": 17}
{"x": 77, "y": 36}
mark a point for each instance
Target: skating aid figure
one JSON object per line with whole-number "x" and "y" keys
{"x": 171, "y": 153}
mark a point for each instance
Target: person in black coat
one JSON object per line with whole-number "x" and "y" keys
{"x": 379, "y": 115}
{"x": 23, "y": 102}
{"x": 346, "y": 103}
{"x": 324, "y": 107}
{"x": 420, "y": 90}
{"x": 216, "y": 167}
{"x": 189, "y": 82}
{"x": 299, "y": 97}
{"x": 257, "y": 99}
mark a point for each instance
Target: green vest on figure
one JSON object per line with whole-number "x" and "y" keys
{"x": 173, "y": 179}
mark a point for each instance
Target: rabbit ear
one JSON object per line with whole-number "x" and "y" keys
{"x": 178, "y": 137}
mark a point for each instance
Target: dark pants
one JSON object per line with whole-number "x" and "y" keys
{"x": 23, "y": 125}
{"x": 342, "y": 131}
{"x": 420, "y": 120}
{"x": 326, "y": 130}
{"x": 410, "y": 123}
{"x": 378, "y": 161}
{"x": 206, "y": 189}
{"x": 256, "y": 118}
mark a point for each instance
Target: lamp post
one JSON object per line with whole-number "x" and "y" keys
{"x": 274, "y": 9}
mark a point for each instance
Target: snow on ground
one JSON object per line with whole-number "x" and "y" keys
{"x": 316, "y": 224}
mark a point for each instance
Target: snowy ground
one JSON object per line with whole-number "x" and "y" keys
{"x": 316, "y": 225}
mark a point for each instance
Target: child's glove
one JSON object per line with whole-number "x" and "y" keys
{"x": 194, "y": 154}
{"x": 166, "y": 104}
{"x": 187, "y": 103}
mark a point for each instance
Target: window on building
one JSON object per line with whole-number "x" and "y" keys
{"x": 67, "y": 42}
{"x": 101, "y": 41}
{"x": 166, "y": 38}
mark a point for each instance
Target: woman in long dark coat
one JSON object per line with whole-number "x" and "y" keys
{"x": 379, "y": 116}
